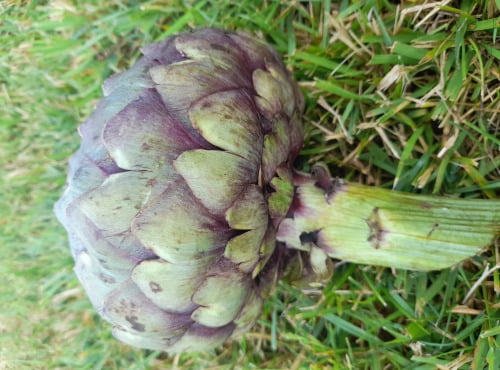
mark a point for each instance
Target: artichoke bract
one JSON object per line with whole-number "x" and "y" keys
{"x": 183, "y": 209}
{"x": 166, "y": 204}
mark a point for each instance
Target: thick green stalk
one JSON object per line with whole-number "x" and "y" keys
{"x": 375, "y": 226}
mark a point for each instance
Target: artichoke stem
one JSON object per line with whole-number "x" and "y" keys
{"x": 370, "y": 225}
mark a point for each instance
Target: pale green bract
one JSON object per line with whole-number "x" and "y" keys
{"x": 167, "y": 204}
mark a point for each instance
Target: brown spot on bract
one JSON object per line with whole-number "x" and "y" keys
{"x": 107, "y": 279}
{"x": 155, "y": 287}
{"x": 135, "y": 325}
{"x": 206, "y": 104}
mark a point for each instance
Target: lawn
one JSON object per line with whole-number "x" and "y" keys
{"x": 402, "y": 95}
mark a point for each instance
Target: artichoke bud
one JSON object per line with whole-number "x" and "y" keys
{"x": 174, "y": 196}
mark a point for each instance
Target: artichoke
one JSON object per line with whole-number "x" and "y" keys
{"x": 183, "y": 209}
{"x": 167, "y": 199}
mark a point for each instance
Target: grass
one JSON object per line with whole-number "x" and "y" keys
{"x": 405, "y": 97}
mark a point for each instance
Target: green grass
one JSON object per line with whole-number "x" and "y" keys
{"x": 404, "y": 97}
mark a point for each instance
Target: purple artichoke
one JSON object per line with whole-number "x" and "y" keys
{"x": 166, "y": 204}
{"x": 183, "y": 184}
